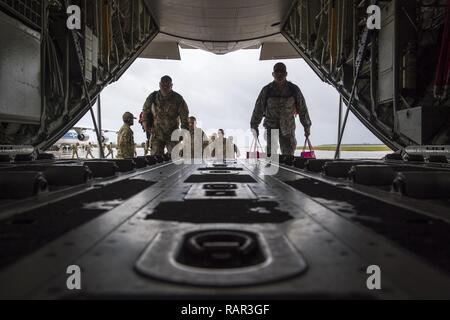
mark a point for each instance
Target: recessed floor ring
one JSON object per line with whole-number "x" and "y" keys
{"x": 280, "y": 261}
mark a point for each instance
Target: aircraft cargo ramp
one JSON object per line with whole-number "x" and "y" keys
{"x": 226, "y": 230}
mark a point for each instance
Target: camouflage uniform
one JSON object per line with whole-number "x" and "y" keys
{"x": 110, "y": 151}
{"x": 147, "y": 147}
{"x": 279, "y": 107}
{"x": 163, "y": 115}
{"x": 125, "y": 143}
{"x": 75, "y": 151}
{"x": 89, "y": 151}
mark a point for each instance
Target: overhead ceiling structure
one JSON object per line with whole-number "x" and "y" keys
{"x": 276, "y": 48}
{"x": 162, "y": 47}
{"x": 233, "y": 25}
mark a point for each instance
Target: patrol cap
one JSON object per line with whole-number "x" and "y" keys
{"x": 127, "y": 116}
{"x": 279, "y": 67}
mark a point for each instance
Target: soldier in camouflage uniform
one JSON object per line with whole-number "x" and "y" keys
{"x": 109, "y": 147}
{"x": 278, "y": 103}
{"x": 125, "y": 138}
{"x": 163, "y": 112}
{"x": 89, "y": 151}
{"x": 75, "y": 150}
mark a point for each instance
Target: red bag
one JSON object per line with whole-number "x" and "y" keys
{"x": 141, "y": 118}
{"x": 308, "y": 154}
{"x": 254, "y": 152}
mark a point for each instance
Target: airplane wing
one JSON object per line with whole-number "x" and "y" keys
{"x": 77, "y": 129}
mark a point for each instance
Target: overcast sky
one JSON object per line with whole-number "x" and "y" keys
{"x": 221, "y": 92}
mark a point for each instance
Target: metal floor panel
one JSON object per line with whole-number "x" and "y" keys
{"x": 336, "y": 251}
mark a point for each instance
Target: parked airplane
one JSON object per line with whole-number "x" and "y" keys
{"x": 77, "y": 135}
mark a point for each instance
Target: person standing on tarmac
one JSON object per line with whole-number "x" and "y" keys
{"x": 75, "y": 150}
{"x": 125, "y": 138}
{"x": 89, "y": 151}
{"x": 109, "y": 147}
{"x": 279, "y": 102}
